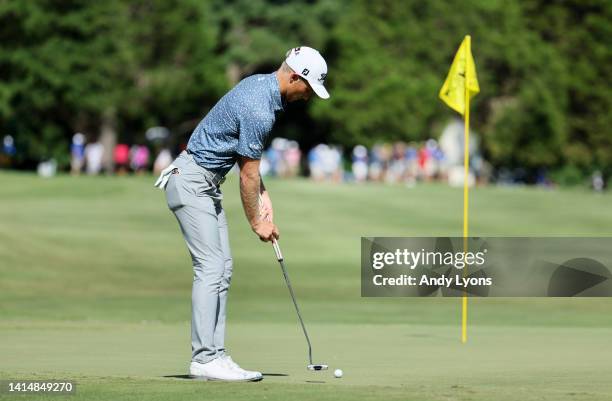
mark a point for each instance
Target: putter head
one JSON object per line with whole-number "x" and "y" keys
{"x": 317, "y": 367}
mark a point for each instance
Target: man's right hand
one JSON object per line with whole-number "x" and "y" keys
{"x": 265, "y": 230}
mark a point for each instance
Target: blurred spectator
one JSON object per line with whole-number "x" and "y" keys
{"x": 122, "y": 158}
{"x": 275, "y": 156}
{"x": 292, "y": 157}
{"x": 423, "y": 162}
{"x": 77, "y": 153}
{"x": 265, "y": 169}
{"x": 325, "y": 163}
{"x": 483, "y": 170}
{"x": 542, "y": 179}
{"x": 93, "y": 157}
{"x": 8, "y": 146}
{"x": 412, "y": 164}
{"x": 397, "y": 164}
{"x": 377, "y": 163}
{"x": 597, "y": 181}
{"x": 315, "y": 162}
{"x": 163, "y": 160}
{"x": 387, "y": 162}
{"x": 433, "y": 159}
{"x": 8, "y": 151}
{"x": 271, "y": 158}
{"x": 439, "y": 159}
{"x": 456, "y": 175}
{"x": 452, "y": 144}
{"x": 360, "y": 163}
{"x": 333, "y": 164}
{"x": 47, "y": 169}
{"x": 139, "y": 158}
{"x": 281, "y": 159}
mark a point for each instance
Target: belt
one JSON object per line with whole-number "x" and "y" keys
{"x": 214, "y": 178}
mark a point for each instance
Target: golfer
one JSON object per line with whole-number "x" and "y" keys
{"x": 234, "y": 131}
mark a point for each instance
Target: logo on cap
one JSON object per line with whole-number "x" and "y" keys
{"x": 322, "y": 78}
{"x": 305, "y": 72}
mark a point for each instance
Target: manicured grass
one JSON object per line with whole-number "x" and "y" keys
{"x": 95, "y": 286}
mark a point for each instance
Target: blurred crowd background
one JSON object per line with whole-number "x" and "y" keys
{"x": 117, "y": 87}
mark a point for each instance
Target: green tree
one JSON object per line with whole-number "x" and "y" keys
{"x": 581, "y": 32}
{"x": 393, "y": 57}
{"x": 176, "y": 76}
{"x": 119, "y": 67}
{"x": 255, "y": 34}
{"x": 61, "y": 64}
{"x": 113, "y": 66}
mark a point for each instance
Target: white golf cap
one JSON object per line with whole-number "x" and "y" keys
{"x": 310, "y": 65}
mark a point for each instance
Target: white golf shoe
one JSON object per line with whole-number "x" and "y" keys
{"x": 254, "y": 375}
{"x": 219, "y": 370}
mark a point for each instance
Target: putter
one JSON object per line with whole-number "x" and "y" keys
{"x": 279, "y": 257}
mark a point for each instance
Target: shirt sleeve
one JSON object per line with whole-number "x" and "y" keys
{"x": 254, "y": 128}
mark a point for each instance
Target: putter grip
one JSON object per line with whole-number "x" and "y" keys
{"x": 277, "y": 250}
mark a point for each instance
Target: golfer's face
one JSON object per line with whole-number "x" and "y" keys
{"x": 301, "y": 89}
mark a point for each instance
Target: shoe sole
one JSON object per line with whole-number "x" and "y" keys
{"x": 214, "y": 379}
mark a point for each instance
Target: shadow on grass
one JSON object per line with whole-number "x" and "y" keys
{"x": 189, "y": 377}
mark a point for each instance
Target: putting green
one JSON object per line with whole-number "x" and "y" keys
{"x": 95, "y": 287}
{"x": 422, "y": 362}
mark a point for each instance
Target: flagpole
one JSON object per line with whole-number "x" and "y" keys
{"x": 460, "y": 77}
{"x": 466, "y": 159}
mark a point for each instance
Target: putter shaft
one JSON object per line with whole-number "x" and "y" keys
{"x": 279, "y": 256}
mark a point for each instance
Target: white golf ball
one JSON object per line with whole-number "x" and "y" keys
{"x": 338, "y": 373}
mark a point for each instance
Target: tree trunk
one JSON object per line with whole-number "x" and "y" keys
{"x": 108, "y": 139}
{"x": 233, "y": 73}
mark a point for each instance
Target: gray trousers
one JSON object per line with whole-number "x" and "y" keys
{"x": 194, "y": 196}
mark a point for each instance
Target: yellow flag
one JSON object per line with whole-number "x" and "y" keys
{"x": 462, "y": 70}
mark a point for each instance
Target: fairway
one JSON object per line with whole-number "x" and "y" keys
{"x": 96, "y": 285}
